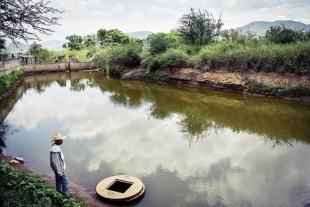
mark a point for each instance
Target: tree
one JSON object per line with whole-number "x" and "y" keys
{"x": 89, "y": 40}
{"x": 157, "y": 43}
{"x": 198, "y": 28}
{"x": 283, "y": 35}
{"x": 19, "y": 18}
{"x": 75, "y": 42}
{"x": 3, "y": 53}
{"x": 34, "y": 48}
{"x": 112, "y": 37}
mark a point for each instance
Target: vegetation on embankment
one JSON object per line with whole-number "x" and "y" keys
{"x": 29, "y": 189}
{"x": 7, "y": 80}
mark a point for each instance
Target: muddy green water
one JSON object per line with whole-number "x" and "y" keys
{"x": 190, "y": 147}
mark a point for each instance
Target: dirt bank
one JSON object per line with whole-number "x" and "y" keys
{"x": 228, "y": 80}
{"x": 89, "y": 197}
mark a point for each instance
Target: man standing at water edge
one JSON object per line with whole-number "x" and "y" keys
{"x": 58, "y": 164}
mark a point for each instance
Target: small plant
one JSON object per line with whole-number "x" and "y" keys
{"x": 116, "y": 70}
{"x": 292, "y": 91}
{"x": 29, "y": 189}
{"x": 157, "y": 76}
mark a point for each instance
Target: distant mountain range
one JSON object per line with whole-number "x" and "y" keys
{"x": 140, "y": 34}
{"x": 261, "y": 27}
{"x": 54, "y": 45}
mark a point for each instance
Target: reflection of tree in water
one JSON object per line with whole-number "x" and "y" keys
{"x": 41, "y": 86}
{"x": 124, "y": 100}
{"x": 78, "y": 87}
{"x": 159, "y": 113}
{"x": 3, "y": 129}
{"x": 196, "y": 126}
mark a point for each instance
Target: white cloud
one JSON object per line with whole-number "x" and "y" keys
{"x": 118, "y": 7}
{"x": 159, "y": 10}
{"x": 73, "y": 5}
{"x": 137, "y": 13}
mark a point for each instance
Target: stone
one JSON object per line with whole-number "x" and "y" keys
{"x": 19, "y": 159}
{"x": 14, "y": 162}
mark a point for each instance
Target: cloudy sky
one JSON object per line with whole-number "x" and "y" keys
{"x": 88, "y": 16}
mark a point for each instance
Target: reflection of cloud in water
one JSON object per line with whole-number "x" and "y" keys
{"x": 240, "y": 167}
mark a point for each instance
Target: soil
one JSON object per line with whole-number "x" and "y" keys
{"x": 89, "y": 197}
{"x": 227, "y": 80}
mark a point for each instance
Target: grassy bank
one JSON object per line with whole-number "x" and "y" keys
{"x": 29, "y": 189}
{"x": 245, "y": 54}
{"x": 8, "y": 79}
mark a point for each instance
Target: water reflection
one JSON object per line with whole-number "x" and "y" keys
{"x": 190, "y": 147}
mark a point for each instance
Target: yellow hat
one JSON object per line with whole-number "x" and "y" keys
{"x": 58, "y": 136}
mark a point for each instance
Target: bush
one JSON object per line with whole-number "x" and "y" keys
{"x": 29, "y": 189}
{"x": 284, "y": 35}
{"x": 173, "y": 58}
{"x": 7, "y": 79}
{"x": 116, "y": 71}
{"x": 157, "y": 43}
{"x": 127, "y": 55}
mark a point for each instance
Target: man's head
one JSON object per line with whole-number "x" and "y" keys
{"x": 58, "y": 138}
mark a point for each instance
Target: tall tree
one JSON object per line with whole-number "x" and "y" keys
{"x": 199, "y": 27}
{"x": 112, "y": 37}
{"x": 34, "y": 48}
{"x": 75, "y": 42}
{"x": 20, "y": 19}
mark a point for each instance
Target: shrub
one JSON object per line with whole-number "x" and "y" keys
{"x": 7, "y": 79}
{"x": 173, "y": 58}
{"x": 29, "y": 189}
{"x": 283, "y": 35}
{"x": 127, "y": 55}
{"x": 157, "y": 43}
{"x": 116, "y": 70}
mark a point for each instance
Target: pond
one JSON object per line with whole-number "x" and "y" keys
{"x": 189, "y": 146}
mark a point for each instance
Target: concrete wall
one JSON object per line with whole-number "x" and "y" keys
{"x": 9, "y": 65}
{"x": 45, "y": 67}
{"x": 81, "y": 66}
{"x": 15, "y": 64}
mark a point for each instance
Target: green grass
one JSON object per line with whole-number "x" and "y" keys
{"x": 290, "y": 91}
{"x": 7, "y": 79}
{"x": 157, "y": 76}
{"x": 29, "y": 189}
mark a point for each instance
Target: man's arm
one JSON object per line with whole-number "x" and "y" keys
{"x": 56, "y": 163}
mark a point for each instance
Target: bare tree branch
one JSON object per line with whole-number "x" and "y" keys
{"x": 17, "y": 17}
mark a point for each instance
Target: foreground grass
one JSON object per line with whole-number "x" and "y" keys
{"x": 29, "y": 189}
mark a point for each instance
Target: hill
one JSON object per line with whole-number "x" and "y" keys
{"x": 139, "y": 34}
{"x": 260, "y": 27}
{"x": 22, "y": 48}
{"x": 55, "y": 45}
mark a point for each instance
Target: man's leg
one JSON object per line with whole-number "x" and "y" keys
{"x": 58, "y": 184}
{"x": 64, "y": 184}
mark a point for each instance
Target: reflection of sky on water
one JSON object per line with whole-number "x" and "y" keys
{"x": 104, "y": 139}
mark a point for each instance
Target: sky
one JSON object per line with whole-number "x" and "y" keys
{"x": 83, "y": 17}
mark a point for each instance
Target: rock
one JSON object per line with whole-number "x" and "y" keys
{"x": 20, "y": 159}
{"x": 14, "y": 162}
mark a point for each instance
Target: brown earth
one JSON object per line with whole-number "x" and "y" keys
{"x": 89, "y": 197}
{"x": 227, "y": 80}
